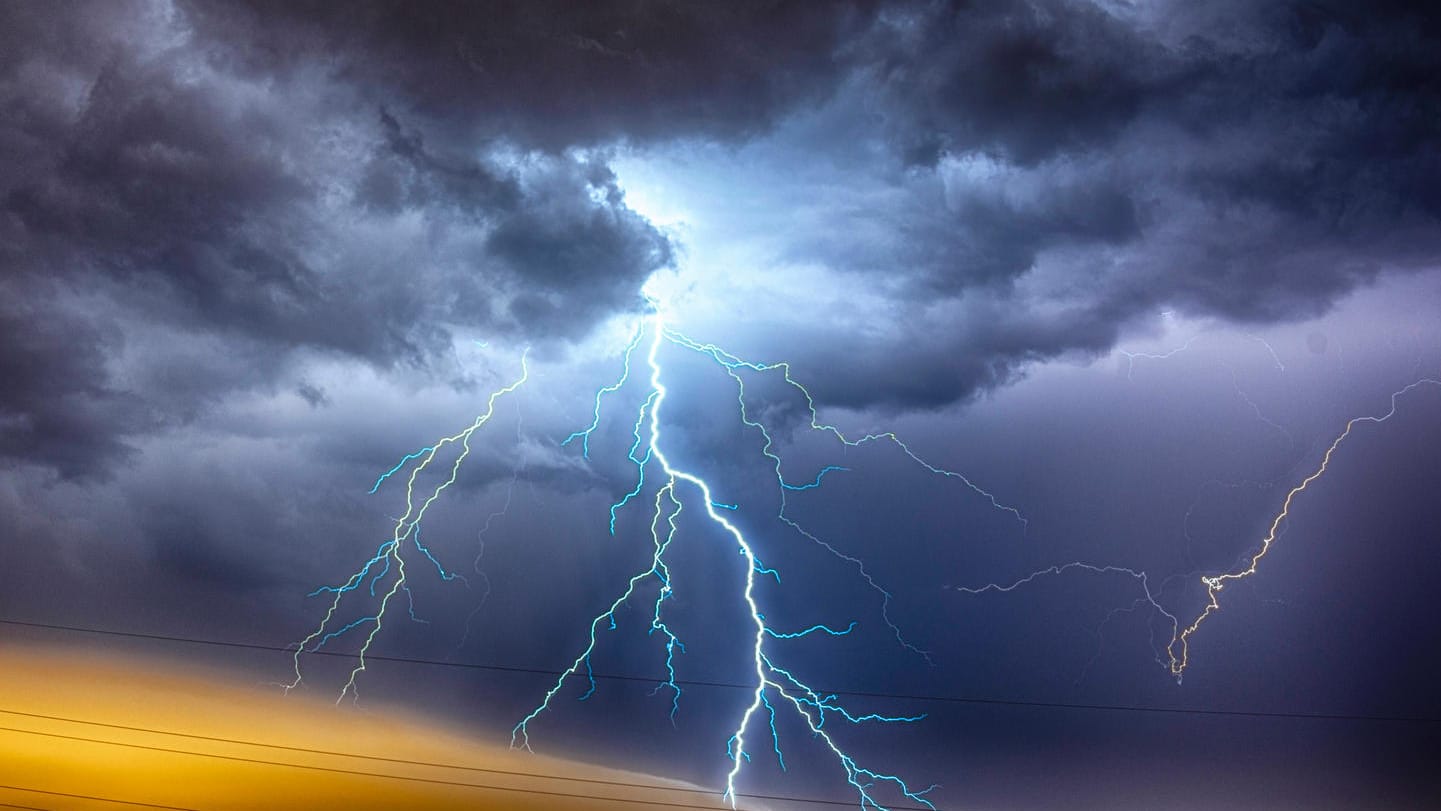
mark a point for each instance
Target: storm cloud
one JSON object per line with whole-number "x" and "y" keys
{"x": 149, "y": 186}
{"x": 1024, "y": 180}
{"x": 1017, "y": 182}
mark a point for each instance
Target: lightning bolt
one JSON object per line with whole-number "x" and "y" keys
{"x": 1148, "y": 595}
{"x": 390, "y": 553}
{"x": 773, "y": 685}
{"x": 1132, "y": 357}
{"x": 1256, "y": 409}
{"x": 1179, "y": 649}
{"x": 1275, "y": 358}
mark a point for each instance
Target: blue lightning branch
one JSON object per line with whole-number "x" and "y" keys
{"x": 1256, "y": 409}
{"x": 444, "y": 575}
{"x": 387, "y": 474}
{"x": 813, "y": 629}
{"x": 666, "y": 591}
{"x": 817, "y": 482}
{"x": 761, "y": 568}
{"x": 584, "y": 434}
{"x": 407, "y": 528}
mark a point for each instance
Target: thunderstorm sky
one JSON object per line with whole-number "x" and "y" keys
{"x": 1129, "y": 267}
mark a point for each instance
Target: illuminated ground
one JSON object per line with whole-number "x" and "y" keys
{"x": 76, "y": 728}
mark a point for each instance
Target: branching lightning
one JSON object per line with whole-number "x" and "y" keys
{"x": 1179, "y": 649}
{"x": 1148, "y": 595}
{"x": 677, "y": 493}
{"x": 407, "y": 529}
{"x": 1132, "y": 357}
{"x": 1176, "y": 654}
{"x": 774, "y": 685}
{"x": 1256, "y": 409}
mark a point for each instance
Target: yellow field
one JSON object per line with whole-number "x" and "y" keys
{"x": 87, "y": 732}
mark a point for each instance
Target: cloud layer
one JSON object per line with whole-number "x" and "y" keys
{"x": 1020, "y": 181}
{"x": 1007, "y": 183}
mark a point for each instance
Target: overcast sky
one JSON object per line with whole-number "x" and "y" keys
{"x": 1129, "y": 268}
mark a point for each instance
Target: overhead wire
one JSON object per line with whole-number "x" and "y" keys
{"x": 387, "y": 759}
{"x": 945, "y": 699}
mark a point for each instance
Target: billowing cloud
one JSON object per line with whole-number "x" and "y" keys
{"x": 152, "y": 186}
{"x": 555, "y": 74}
{"x": 1018, "y": 180}
{"x": 1007, "y": 183}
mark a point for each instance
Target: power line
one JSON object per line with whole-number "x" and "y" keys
{"x": 410, "y": 762}
{"x": 998, "y": 702}
{"x": 92, "y": 797}
{"x": 355, "y": 772}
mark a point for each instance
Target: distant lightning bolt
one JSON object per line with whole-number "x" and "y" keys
{"x": 1256, "y": 409}
{"x": 1132, "y": 357}
{"x": 1176, "y": 653}
{"x": 1215, "y": 583}
{"x": 407, "y": 528}
{"x": 1275, "y": 358}
{"x": 1148, "y": 595}
{"x": 1140, "y": 577}
{"x": 480, "y": 537}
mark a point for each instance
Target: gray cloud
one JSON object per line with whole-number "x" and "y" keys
{"x": 1015, "y": 182}
{"x": 366, "y": 180}
{"x": 554, "y": 73}
{"x": 57, "y": 404}
{"x": 1024, "y": 81}
{"x": 270, "y": 215}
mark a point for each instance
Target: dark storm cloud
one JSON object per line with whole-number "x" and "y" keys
{"x": 57, "y": 404}
{"x": 557, "y": 73}
{"x": 1023, "y": 80}
{"x": 1061, "y": 170}
{"x": 149, "y": 188}
{"x": 1020, "y": 180}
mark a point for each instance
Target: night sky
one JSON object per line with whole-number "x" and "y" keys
{"x": 1118, "y": 274}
